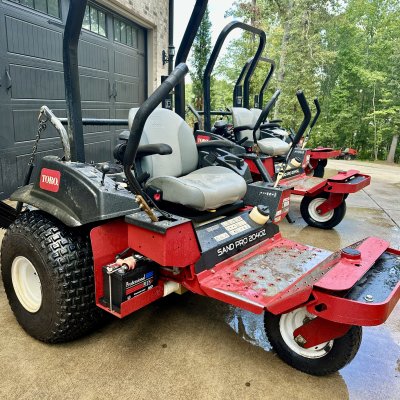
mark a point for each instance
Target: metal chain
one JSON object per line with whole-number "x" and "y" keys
{"x": 41, "y": 128}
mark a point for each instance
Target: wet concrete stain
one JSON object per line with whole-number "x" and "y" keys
{"x": 373, "y": 363}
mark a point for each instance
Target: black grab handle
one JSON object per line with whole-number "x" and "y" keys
{"x": 147, "y": 108}
{"x": 317, "y": 106}
{"x": 306, "y": 120}
{"x": 264, "y": 114}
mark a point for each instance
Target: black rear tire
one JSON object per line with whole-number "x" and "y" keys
{"x": 306, "y": 210}
{"x": 62, "y": 258}
{"x": 341, "y": 352}
{"x": 319, "y": 171}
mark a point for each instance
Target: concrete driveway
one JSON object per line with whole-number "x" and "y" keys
{"x": 191, "y": 347}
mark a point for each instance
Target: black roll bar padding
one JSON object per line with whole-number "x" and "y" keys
{"x": 239, "y": 81}
{"x": 72, "y": 31}
{"x": 184, "y": 49}
{"x": 306, "y": 120}
{"x": 197, "y": 115}
{"x": 267, "y": 79}
{"x": 147, "y": 108}
{"x": 264, "y": 113}
{"x": 318, "y": 107}
{"x": 213, "y": 58}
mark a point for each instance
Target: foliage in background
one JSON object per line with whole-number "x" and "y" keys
{"x": 201, "y": 50}
{"x": 345, "y": 52}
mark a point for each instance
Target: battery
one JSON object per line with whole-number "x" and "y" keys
{"x": 127, "y": 284}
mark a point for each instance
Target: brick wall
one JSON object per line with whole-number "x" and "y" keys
{"x": 152, "y": 14}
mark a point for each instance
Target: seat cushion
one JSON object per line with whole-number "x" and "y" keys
{"x": 204, "y": 189}
{"x": 273, "y": 146}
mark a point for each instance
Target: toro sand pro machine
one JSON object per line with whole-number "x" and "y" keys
{"x": 271, "y": 159}
{"x": 317, "y": 157}
{"x": 83, "y": 245}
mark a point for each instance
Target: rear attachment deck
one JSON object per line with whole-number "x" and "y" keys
{"x": 280, "y": 275}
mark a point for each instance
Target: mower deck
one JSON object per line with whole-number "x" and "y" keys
{"x": 344, "y": 182}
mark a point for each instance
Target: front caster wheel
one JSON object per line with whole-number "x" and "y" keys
{"x": 47, "y": 272}
{"x": 308, "y": 210}
{"x": 324, "y": 359}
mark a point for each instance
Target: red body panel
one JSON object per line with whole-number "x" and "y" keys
{"x": 324, "y": 153}
{"x": 351, "y": 312}
{"x": 319, "y": 331}
{"x": 277, "y": 275}
{"x": 178, "y": 247}
{"x": 348, "y": 272}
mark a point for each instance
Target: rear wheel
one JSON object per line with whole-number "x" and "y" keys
{"x": 309, "y": 212}
{"x": 323, "y": 359}
{"x": 319, "y": 170}
{"x": 48, "y": 278}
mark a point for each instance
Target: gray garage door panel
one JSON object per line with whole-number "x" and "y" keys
{"x": 113, "y": 79}
{"x": 25, "y": 121}
{"x": 32, "y": 40}
{"x": 36, "y": 83}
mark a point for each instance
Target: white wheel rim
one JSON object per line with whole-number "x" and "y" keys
{"x": 26, "y": 283}
{"x": 289, "y": 323}
{"x": 312, "y": 210}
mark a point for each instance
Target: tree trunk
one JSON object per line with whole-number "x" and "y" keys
{"x": 282, "y": 59}
{"x": 393, "y": 148}
{"x": 375, "y": 128}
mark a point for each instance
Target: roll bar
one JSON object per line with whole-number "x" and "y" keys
{"x": 213, "y": 58}
{"x": 267, "y": 79}
{"x": 238, "y": 89}
{"x": 244, "y": 73}
{"x": 184, "y": 49}
{"x": 72, "y": 31}
{"x": 146, "y": 109}
{"x": 264, "y": 114}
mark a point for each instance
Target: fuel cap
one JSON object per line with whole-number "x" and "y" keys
{"x": 351, "y": 254}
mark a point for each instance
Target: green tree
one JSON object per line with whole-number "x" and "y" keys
{"x": 200, "y": 54}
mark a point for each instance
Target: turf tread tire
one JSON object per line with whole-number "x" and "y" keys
{"x": 63, "y": 259}
{"x": 338, "y": 213}
{"x": 344, "y": 349}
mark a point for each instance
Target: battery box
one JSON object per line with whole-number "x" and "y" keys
{"x": 126, "y": 285}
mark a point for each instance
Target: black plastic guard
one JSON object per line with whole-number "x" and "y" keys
{"x": 74, "y": 193}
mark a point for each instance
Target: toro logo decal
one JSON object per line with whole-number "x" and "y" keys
{"x": 202, "y": 138}
{"x": 50, "y": 180}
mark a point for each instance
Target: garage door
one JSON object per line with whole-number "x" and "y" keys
{"x": 112, "y": 58}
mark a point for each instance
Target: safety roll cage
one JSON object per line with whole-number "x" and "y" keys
{"x": 213, "y": 58}
{"x": 74, "y": 118}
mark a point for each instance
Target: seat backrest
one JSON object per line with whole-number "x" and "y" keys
{"x": 164, "y": 126}
{"x": 241, "y": 117}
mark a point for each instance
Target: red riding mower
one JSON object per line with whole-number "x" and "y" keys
{"x": 318, "y": 157}
{"x": 84, "y": 242}
{"x": 272, "y": 159}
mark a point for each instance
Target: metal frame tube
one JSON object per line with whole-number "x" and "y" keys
{"x": 72, "y": 31}
{"x": 184, "y": 49}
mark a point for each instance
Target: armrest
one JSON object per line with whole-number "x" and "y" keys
{"x": 145, "y": 150}
{"x": 270, "y": 125}
{"x": 215, "y": 144}
{"x": 242, "y": 128}
{"x": 276, "y": 121}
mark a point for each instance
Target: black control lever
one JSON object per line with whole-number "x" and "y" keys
{"x": 264, "y": 114}
{"x": 105, "y": 169}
